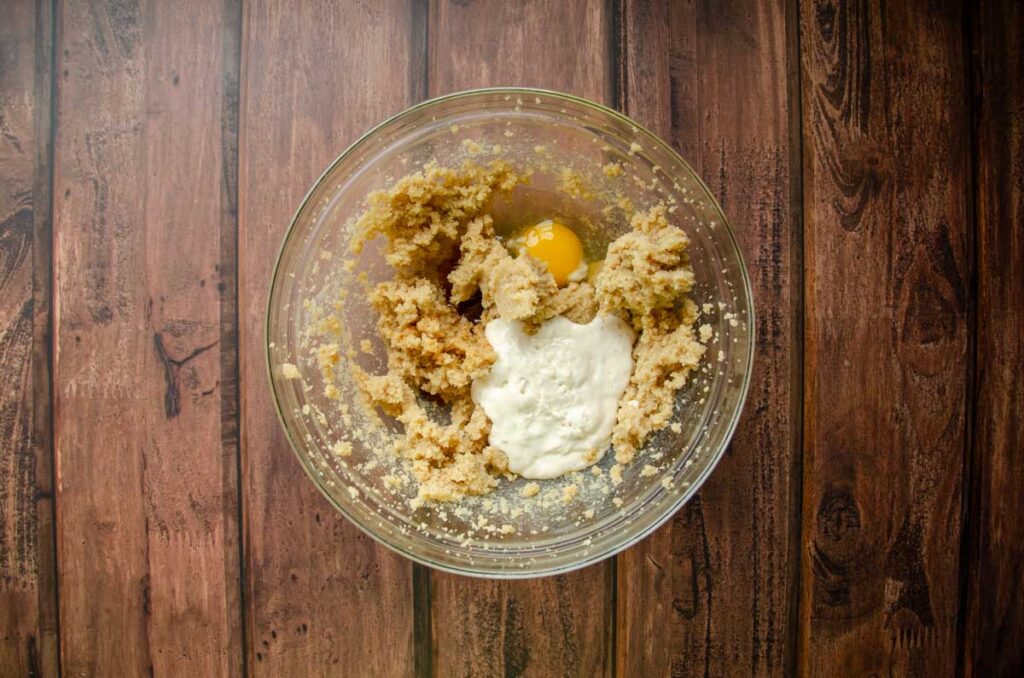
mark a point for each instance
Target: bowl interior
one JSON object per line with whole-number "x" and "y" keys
{"x": 568, "y": 145}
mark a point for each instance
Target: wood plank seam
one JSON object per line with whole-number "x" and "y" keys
{"x": 46, "y": 128}
{"x": 423, "y": 637}
{"x": 229, "y": 319}
{"x": 970, "y": 480}
{"x": 28, "y": 595}
{"x": 796, "y": 123}
{"x": 794, "y": 91}
{"x": 992, "y": 605}
{"x": 419, "y": 87}
{"x": 244, "y": 573}
{"x": 617, "y": 90}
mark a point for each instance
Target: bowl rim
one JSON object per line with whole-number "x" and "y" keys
{"x": 592, "y": 558}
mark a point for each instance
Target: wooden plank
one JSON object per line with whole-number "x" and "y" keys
{"x": 146, "y": 470}
{"x": 557, "y": 625}
{"x": 994, "y": 626}
{"x": 553, "y": 44}
{"x": 323, "y": 598}
{"x": 28, "y": 593}
{"x": 886, "y": 148}
{"x": 711, "y": 593}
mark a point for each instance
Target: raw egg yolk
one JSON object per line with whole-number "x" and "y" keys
{"x": 558, "y": 247}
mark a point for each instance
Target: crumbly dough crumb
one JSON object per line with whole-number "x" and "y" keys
{"x": 647, "y": 275}
{"x": 428, "y": 343}
{"x": 449, "y": 460}
{"x": 665, "y": 354}
{"x": 646, "y": 269}
{"x": 572, "y": 183}
{"x": 529, "y": 490}
{"x": 290, "y": 371}
{"x": 423, "y": 215}
{"x": 612, "y": 169}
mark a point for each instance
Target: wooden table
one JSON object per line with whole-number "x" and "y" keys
{"x": 868, "y": 518}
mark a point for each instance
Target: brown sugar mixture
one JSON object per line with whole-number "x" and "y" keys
{"x": 447, "y": 259}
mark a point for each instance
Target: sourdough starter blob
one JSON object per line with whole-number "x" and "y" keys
{"x": 552, "y": 396}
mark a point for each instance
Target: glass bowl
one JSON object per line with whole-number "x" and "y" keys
{"x": 503, "y": 534}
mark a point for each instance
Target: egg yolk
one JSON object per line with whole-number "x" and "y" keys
{"x": 557, "y": 247}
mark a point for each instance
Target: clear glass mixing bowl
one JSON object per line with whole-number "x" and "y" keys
{"x": 503, "y": 534}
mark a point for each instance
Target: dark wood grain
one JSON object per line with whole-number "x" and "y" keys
{"x": 712, "y": 592}
{"x": 323, "y": 598}
{"x": 886, "y": 190}
{"x": 28, "y": 594}
{"x": 994, "y": 624}
{"x": 147, "y": 489}
{"x": 557, "y": 625}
